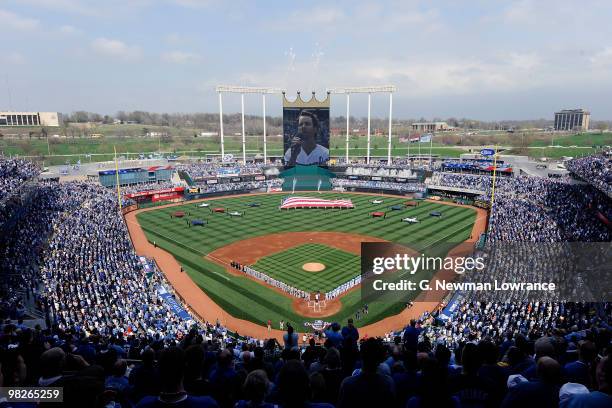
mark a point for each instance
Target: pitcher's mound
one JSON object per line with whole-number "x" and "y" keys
{"x": 313, "y": 267}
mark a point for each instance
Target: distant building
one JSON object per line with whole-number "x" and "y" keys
{"x": 430, "y": 126}
{"x": 29, "y": 119}
{"x": 572, "y": 119}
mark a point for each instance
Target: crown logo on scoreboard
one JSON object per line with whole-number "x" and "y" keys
{"x": 299, "y": 102}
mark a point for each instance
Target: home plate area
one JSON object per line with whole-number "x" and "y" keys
{"x": 324, "y": 273}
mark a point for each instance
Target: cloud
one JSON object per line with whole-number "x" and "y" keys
{"x": 91, "y": 8}
{"x": 68, "y": 29}
{"x": 115, "y": 48}
{"x": 522, "y": 61}
{"x": 14, "y": 21}
{"x": 325, "y": 16}
{"x": 521, "y": 12}
{"x": 173, "y": 38}
{"x": 401, "y": 17}
{"x": 602, "y": 58}
{"x": 500, "y": 72}
{"x": 68, "y": 6}
{"x": 193, "y": 3}
{"x": 179, "y": 57}
{"x": 316, "y": 18}
{"x": 13, "y": 58}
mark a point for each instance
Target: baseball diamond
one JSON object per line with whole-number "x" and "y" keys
{"x": 260, "y": 240}
{"x": 287, "y": 266}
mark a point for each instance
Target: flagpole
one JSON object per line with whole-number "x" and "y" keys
{"x": 117, "y": 178}
{"x": 409, "y": 141}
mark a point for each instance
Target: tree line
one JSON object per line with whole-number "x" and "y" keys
{"x": 232, "y": 122}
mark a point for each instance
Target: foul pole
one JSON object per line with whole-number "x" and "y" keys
{"x": 117, "y": 178}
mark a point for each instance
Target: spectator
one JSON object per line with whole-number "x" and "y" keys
{"x": 369, "y": 388}
{"x": 171, "y": 367}
{"x": 602, "y": 397}
{"x": 542, "y": 392}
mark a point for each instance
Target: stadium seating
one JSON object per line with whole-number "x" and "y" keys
{"x": 595, "y": 169}
{"x": 111, "y": 340}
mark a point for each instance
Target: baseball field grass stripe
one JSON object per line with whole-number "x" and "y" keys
{"x": 245, "y": 298}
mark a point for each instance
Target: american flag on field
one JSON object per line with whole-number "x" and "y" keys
{"x": 314, "y": 202}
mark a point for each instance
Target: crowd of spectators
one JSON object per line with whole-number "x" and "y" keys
{"x": 595, "y": 169}
{"x": 538, "y": 209}
{"x": 13, "y": 173}
{"x": 200, "y": 170}
{"x": 544, "y": 355}
{"x": 240, "y": 186}
{"x": 378, "y": 185}
{"x": 25, "y": 239}
{"x": 137, "y": 188}
{"x": 375, "y": 170}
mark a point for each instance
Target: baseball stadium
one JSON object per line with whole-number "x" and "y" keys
{"x": 232, "y": 256}
{"x": 341, "y": 222}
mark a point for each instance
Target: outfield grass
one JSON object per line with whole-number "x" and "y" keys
{"x": 247, "y": 299}
{"x": 60, "y": 150}
{"x": 286, "y": 266}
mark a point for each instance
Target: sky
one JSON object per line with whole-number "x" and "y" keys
{"x": 481, "y": 59}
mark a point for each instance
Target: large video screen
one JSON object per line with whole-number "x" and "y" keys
{"x": 306, "y": 136}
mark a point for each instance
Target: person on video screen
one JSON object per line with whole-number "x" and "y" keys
{"x": 304, "y": 149}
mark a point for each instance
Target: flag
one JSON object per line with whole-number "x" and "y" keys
{"x": 313, "y": 202}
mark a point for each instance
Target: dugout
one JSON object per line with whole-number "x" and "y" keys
{"x": 153, "y": 196}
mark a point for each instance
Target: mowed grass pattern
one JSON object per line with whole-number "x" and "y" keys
{"x": 287, "y": 266}
{"x": 247, "y": 299}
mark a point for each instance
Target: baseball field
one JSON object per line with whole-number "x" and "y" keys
{"x": 309, "y": 249}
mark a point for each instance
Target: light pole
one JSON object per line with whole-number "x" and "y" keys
{"x": 244, "y": 90}
{"x": 369, "y": 90}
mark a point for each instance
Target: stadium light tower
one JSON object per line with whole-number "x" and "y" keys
{"x": 369, "y": 90}
{"x": 243, "y": 90}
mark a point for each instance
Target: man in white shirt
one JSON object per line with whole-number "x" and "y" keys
{"x": 304, "y": 149}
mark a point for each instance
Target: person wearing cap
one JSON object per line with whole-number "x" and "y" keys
{"x": 542, "y": 392}
{"x": 579, "y": 371}
{"x": 602, "y": 397}
{"x": 568, "y": 391}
